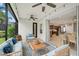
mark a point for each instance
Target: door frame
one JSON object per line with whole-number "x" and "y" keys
{"x": 36, "y": 29}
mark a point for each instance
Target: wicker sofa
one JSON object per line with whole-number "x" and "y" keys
{"x": 17, "y": 48}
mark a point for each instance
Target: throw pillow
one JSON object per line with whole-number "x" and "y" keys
{"x": 14, "y": 40}
{"x": 7, "y": 48}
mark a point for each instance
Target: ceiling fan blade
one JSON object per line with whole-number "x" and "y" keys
{"x": 32, "y": 18}
{"x": 36, "y": 4}
{"x": 51, "y": 5}
{"x": 43, "y": 8}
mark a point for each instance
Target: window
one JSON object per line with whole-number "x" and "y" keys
{"x": 11, "y": 25}
{"x": 2, "y": 23}
{"x": 8, "y": 22}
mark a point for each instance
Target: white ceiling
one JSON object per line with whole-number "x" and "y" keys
{"x": 25, "y": 10}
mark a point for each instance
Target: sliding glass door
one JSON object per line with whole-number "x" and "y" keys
{"x": 12, "y": 28}
{"x": 8, "y": 22}
{"x": 2, "y": 22}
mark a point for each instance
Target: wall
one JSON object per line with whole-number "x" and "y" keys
{"x": 58, "y": 22}
{"x": 45, "y": 31}
{"x": 40, "y": 35}
{"x": 69, "y": 28}
{"x": 25, "y": 27}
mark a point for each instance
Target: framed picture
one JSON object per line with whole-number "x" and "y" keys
{"x": 41, "y": 28}
{"x": 63, "y": 29}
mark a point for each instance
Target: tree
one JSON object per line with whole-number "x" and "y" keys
{"x": 2, "y": 17}
{"x": 11, "y": 30}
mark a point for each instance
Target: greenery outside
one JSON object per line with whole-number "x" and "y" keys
{"x": 2, "y": 17}
{"x": 2, "y": 40}
{"x": 2, "y": 32}
{"x": 11, "y": 25}
{"x": 11, "y": 30}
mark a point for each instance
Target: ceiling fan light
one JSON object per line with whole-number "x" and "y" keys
{"x": 43, "y": 8}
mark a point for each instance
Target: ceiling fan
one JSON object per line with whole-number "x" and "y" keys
{"x": 32, "y": 17}
{"x": 43, "y": 7}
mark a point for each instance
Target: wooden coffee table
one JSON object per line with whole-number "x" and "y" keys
{"x": 36, "y": 47}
